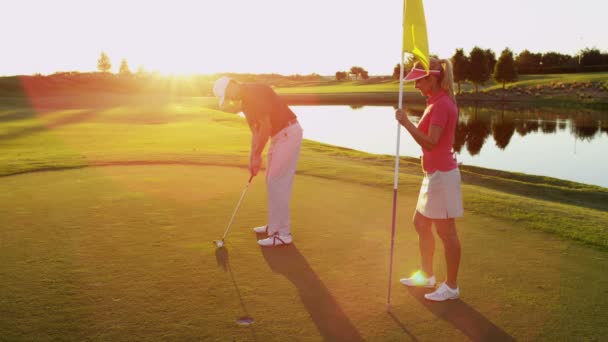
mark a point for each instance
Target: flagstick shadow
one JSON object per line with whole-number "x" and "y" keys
{"x": 402, "y": 326}
{"x": 466, "y": 319}
{"x": 222, "y": 258}
{"x": 326, "y": 313}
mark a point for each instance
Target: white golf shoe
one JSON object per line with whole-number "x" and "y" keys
{"x": 276, "y": 240}
{"x": 419, "y": 280}
{"x": 261, "y": 229}
{"x": 443, "y": 292}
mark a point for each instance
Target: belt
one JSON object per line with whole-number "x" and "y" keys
{"x": 289, "y": 123}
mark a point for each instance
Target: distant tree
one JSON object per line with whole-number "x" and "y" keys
{"x": 491, "y": 59}
{"x": 103, "y": 63}
{"x": 396, "y": 71}
{"x": 460, "y": 65}
{"x": 527, "y": 61}
{"x": 124, "y": 68}
{"x": 505, "y": 71}
{"x": 479, "y": 71}
{"x": 364, "y": 75}
{"x": 408, "y": 64}
{"x": 554, "y": 59}
{"x": 141, "y": 71}
{"x": 341, "y": 75}
{"x": 590, "y": 57}
{"x": 356, "y": 71}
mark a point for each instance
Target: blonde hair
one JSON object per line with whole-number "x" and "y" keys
{"x": 446, "y": 78}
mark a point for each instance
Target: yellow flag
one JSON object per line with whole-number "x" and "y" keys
{"x": 415, "y": 40}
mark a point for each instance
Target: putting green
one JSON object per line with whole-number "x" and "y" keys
{"x": 125, "y": 252}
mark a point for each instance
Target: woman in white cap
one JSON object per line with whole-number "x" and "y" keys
{"x": 440, "y": 198}
{"x": 269, "y": 117}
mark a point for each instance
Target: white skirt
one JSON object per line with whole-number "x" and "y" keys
{"x": 440, "y": 195}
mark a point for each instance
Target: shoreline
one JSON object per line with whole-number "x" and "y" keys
{"x": 482, "y": 99}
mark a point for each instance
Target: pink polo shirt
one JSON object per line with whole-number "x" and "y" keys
{"x": 440, "y": 111}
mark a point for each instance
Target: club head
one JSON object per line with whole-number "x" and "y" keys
{"x": 219, "y": 243}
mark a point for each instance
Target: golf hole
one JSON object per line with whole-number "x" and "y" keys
{"x": 244, "y": 320}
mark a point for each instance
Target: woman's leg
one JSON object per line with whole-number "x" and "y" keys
{"x": 426, "y": 241}
{"x": 446, "y": 229}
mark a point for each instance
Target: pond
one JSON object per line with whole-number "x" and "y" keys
{"x": 563, "y": 143}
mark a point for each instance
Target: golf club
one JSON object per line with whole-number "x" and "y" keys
{"x": 220, "y": 243}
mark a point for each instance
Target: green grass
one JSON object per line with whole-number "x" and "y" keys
{"x": 534, "y": 80}
{"x": 123, "y": 251}
{"x": 348, "y": 87}
{"x": 393, "y": 86}
{"x": 382, "y": 90}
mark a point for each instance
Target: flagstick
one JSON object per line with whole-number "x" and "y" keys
{"x": 395, "y": 186}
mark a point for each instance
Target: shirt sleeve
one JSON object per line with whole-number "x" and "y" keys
{"x": 439, "y": 115}
{"x": 252, "y": 120}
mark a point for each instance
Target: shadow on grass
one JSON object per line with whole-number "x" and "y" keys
{"x": 463, "y": 317}
{"x": 326, "y": 313}
{"x": 64, "y": 121}
{"x": 222, "y": 258}
{"x": 402, "y": 326}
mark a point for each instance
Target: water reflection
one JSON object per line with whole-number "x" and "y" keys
{"x": 476, "y": 125}
{"x": 561, "y": 143}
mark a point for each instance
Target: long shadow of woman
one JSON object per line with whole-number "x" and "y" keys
{"x": 463, "y": 317}
{"x": 320, "y": 304}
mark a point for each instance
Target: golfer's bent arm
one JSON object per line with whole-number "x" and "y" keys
{"x": 259, "y": 138}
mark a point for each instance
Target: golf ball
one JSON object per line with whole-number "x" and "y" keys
{"x": 219, "y": 243}
{"x": 244, "y": 320}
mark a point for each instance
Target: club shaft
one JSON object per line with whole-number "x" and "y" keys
{"x": 237, "y": 208}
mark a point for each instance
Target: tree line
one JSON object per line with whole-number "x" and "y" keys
{"x": 355, "y": 72}
{"x": 478, "y": 67}
{"x": 105, "y": 65}
{"x": 481, "y": 64}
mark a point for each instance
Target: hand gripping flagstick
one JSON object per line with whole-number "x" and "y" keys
{"x": 220, "y": 243}
{"x": 415, "y": 41}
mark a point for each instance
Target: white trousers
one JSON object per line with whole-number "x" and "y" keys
{"x": 282, "y": 159}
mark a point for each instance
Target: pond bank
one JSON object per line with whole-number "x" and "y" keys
{"x": 582, "y": 99}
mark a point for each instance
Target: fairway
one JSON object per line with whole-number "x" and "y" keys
{"x": 130, "y": 136}
{"x": 125, "y": 252}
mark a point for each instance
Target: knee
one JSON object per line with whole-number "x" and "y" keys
{"x": 422, "y": 227}
{"x": 448, "y": 236}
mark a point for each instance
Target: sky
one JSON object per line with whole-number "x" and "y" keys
{"x": 278, "y": 36}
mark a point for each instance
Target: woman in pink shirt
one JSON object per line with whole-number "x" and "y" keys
{"x": 440, "y": 198}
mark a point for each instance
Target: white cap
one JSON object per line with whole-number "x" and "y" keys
{"x": 219, "y": 88}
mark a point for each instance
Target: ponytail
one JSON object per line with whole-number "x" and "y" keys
{"x": 446, "y": 76}
{"x": 447, "y": 81}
